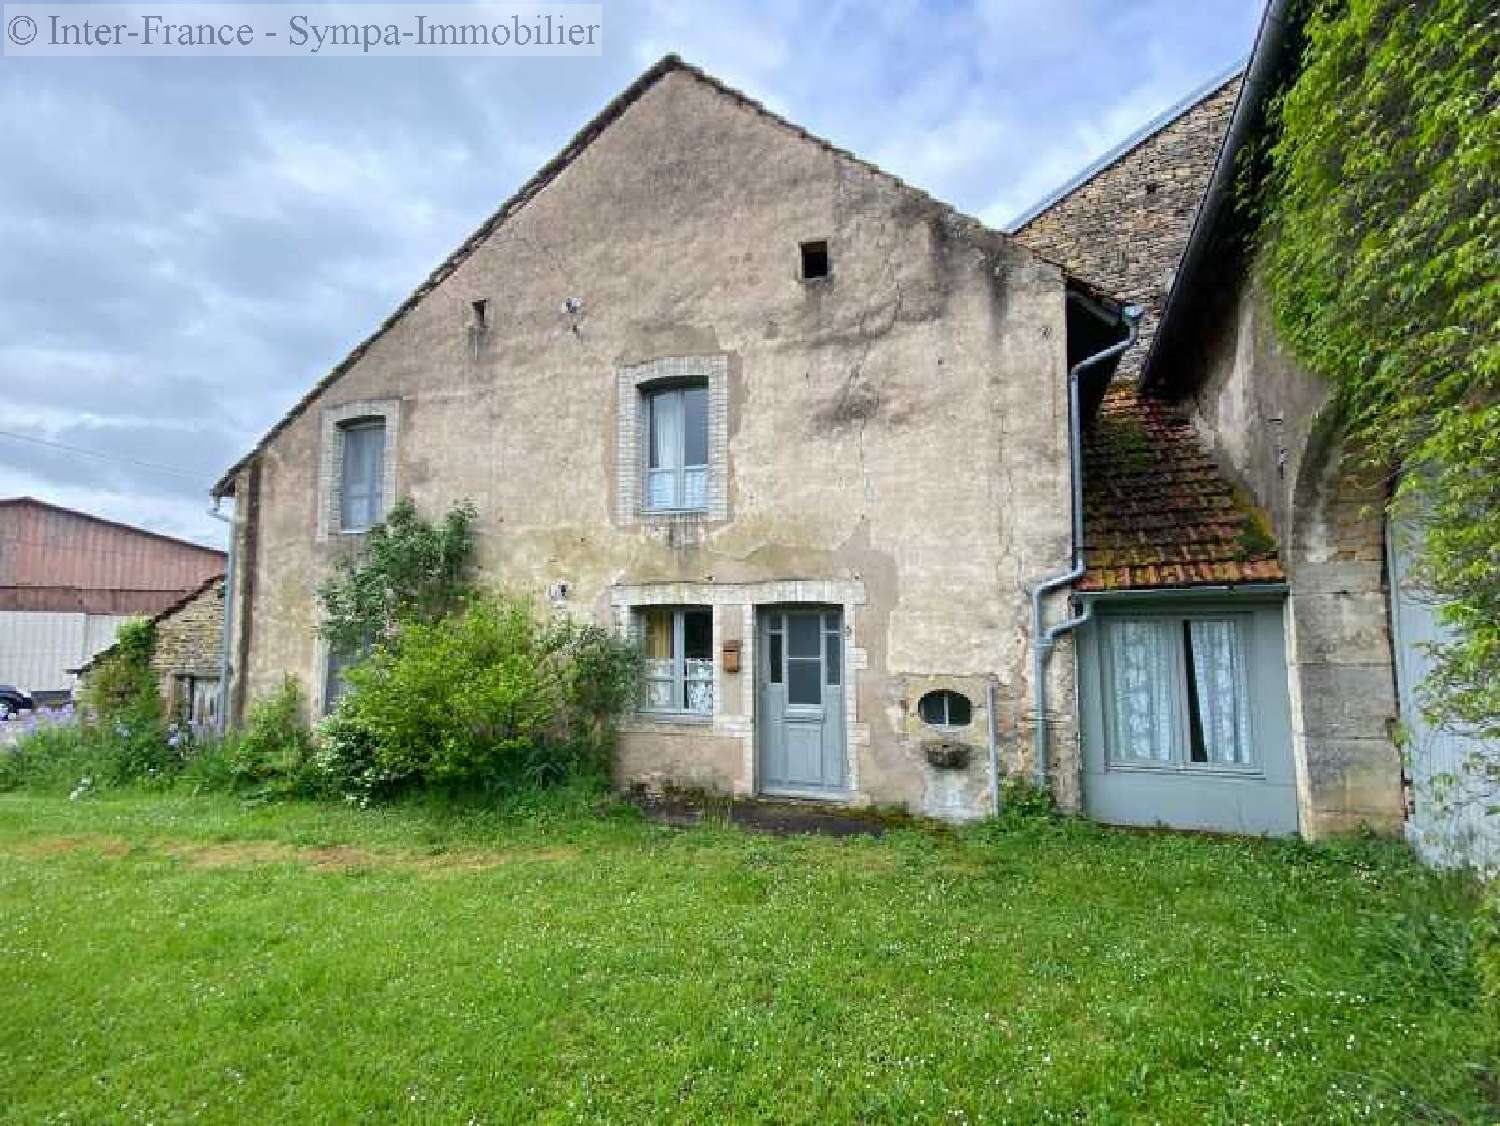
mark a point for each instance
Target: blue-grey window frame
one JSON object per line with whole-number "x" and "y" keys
{"x": 374, "y": 496}
{"x": 335, "y": 661}
{"x": 1181, "y": 758}
{"x": 679, "y": 663}
{"x": 651, "y": 394}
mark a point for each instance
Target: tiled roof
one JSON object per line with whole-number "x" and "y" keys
{"x": 1158, "y": 512}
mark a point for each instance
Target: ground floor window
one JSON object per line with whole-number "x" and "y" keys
{"x": 339, "y": 661}
{"x": 679, "y": 648}
{"x": 1177, "y": 691}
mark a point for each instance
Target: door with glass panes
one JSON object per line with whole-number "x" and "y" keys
{"x": 800, "y": 719}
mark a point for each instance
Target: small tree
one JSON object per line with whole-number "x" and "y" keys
{"x": 411, "y": 570}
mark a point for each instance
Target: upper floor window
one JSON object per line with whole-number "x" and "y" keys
{"x": 357, "y": 477}
{"x": 677, "y": 448}
{"x": 361, "y": 483}
{"x": 672, "y": 440}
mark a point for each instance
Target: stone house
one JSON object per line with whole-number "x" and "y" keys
{"x": 797, "y": 425}
{"x": 187, "y": 656}
{"x": 1223, "y": 422}
{"x": 810, "y": 436}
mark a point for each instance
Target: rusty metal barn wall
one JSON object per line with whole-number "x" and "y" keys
{"x": 42, "y": 546}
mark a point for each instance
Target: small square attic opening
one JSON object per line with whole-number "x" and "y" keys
{"x": 815, "y": 262}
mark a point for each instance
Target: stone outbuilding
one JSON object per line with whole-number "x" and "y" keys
{"x": 187, "y": 655}
{"x": 68, "y": 579}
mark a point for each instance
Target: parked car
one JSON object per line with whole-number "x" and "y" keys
{"x": 13, "y": 701}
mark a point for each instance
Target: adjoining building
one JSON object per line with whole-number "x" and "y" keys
{"x": 187, "y": 656}
{"x": 67, "y": 581}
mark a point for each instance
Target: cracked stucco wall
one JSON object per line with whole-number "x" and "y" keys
{"x": 900, "y": 425}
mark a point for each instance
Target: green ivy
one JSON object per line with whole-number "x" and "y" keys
{"x": 1381, "y": 249}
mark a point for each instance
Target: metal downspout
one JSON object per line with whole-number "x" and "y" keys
{"x": 222, "y": 713}
{"x": 1043, "y": 641}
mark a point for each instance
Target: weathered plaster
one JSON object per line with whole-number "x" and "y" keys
{"x": 899, "y": 425}
{"x": 1273, "y": 424}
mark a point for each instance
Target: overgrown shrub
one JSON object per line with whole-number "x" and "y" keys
{"x": 274, "y": 756}
{"x": 1487, "y": 965}
{"x": 410, "y": 570}
{"x": 121, "y": 711}
{"x": 116, "y": 737}
{"x": 491, "y": 697}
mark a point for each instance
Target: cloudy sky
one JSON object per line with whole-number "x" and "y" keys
{"x": 187, "y": 244}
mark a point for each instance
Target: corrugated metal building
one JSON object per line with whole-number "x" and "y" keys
{"x": 68, "y": 579}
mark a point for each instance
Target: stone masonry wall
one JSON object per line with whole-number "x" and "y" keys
{"x": 1273, "y": 424}
{"x": 1125, "y": 228}
{"x": 187, "y": 639}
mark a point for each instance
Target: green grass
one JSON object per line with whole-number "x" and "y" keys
{"x": 171, "y": 958}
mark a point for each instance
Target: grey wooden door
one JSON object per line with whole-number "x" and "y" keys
{"x": 1452, "y": 791}
{"x": 800, "y": 717}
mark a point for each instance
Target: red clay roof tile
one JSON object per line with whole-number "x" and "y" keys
{"x": 1157, "y": 511}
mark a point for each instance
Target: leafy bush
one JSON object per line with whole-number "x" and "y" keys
{"x": 117, "y": 736}
{"x": 66, "y": 754}
{"x": 1487, "y": 963}
{"x": 1022, "y": 800}
{"x": 491, "y": 697}
{"x": 274, "y": 756}
{"x": 409, "y": 571}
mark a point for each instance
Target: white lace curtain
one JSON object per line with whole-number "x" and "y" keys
{"x": 1144, "y": 684}
{"x": 1148, "y": 664}
{"x": 1223, "y": 709}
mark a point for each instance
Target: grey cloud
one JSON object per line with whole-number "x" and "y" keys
{"x": 185, "y": 245}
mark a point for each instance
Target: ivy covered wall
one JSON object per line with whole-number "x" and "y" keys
{"x": 1380, "y": 248}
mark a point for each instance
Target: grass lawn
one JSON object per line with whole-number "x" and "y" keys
{"x": 174, "y": 958}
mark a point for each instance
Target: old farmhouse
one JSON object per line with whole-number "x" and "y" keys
{"x": 859, "y": 474}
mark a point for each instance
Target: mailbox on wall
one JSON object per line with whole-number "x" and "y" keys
{"x": 731, "y": 655}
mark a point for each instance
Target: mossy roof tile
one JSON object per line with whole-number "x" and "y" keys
{"x": 1157, "y": 511}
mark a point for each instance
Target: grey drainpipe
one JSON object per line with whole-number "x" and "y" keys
{"x": 1043, "y": 642}
{"x": 221, "y": 716}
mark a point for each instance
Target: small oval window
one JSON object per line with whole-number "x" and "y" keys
{"x": 945, "y": 708}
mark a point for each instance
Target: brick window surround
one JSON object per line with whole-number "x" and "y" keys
{"x": 331, "y": 459}
{"x": 633, "y": 383}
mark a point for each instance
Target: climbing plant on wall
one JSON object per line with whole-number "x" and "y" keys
{"x": 1381, "y": 249}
